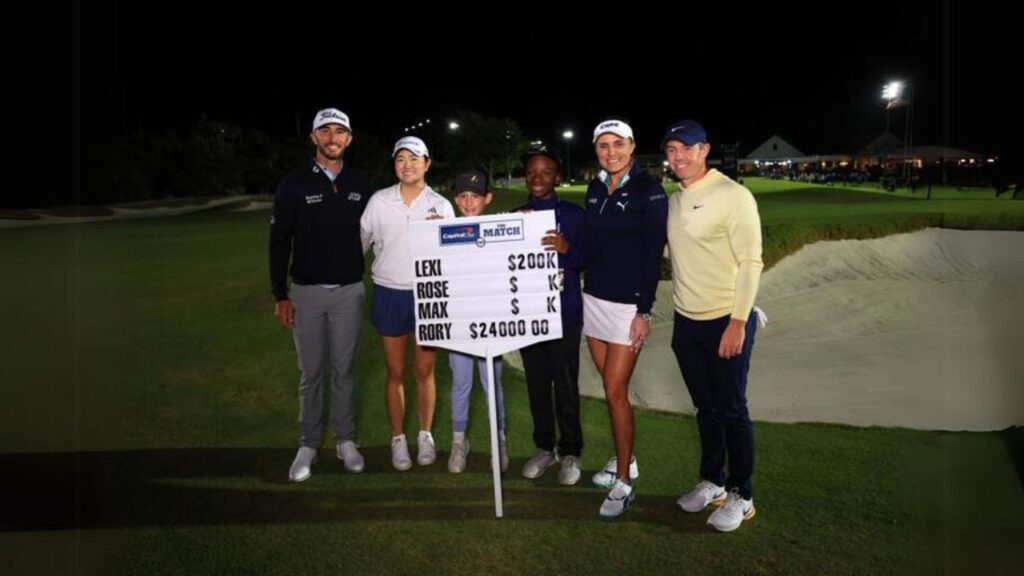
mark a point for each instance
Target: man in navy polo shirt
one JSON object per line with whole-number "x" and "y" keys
{"x": 315, "y": 225}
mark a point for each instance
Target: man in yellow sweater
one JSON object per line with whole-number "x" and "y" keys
{"x": 714, "y": 239}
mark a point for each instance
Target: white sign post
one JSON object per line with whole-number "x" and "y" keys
{"x": 486, "y": 286}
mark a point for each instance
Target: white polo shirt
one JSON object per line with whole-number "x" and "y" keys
{"x": 385, "y": 226}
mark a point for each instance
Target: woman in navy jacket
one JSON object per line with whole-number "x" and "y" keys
{"x": 625, "y": 232}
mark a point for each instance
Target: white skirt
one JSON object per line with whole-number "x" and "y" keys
{"x": 608, "y": 321}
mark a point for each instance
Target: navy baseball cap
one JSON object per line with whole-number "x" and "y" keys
{"x": 474, "y": 181}
{"x": 542, "y": 150}
{"x": 687, "y": 131}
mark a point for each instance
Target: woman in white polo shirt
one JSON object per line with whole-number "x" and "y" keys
{"x": 385, "y": 226}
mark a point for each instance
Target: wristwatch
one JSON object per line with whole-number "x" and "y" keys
{"x": 646, "y": 317}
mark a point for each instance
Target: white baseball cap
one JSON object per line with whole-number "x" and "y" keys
{"x": 331, "y": 116}
{"x": 617, "y": 127}
{"x": 412, "y": 144}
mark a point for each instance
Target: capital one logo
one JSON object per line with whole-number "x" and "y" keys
{"x": 459, "y": 234}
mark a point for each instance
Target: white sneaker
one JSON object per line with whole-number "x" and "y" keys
{"x": 538, "y": 463}
{"x": 605, "y": 478}
{"x": 616, "y": 502}
{"x": 457, "y": 461}
{"x": 302, "y": 465}
{"x": 569, "y": 474}
{"x": 703, "y": 493}
{"x": 730, "y": 515}
{"x": 348, "y": 452}
{"x": 400, "y": 453}
{"x": 426, "y": 453}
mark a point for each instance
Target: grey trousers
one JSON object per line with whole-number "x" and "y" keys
{"x": 327, "y": 323}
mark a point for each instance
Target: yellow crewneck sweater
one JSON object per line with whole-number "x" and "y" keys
{"x": 714, "y": 240}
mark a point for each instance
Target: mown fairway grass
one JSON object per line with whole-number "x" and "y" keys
{"x": 147, "y": 422}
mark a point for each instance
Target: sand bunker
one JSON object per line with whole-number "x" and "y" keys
{"x": 916, "y": 330}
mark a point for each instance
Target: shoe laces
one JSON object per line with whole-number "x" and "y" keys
{"x": 620, "y": 491}
{"x": 733, "y": 500}
{"x": 706, "y": 489}
{"x": 459, "y": 449}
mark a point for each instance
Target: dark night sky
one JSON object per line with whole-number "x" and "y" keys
{"x": 812, "y": 75}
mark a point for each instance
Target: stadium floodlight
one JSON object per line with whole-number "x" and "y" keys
{"x": 568, "y": 136}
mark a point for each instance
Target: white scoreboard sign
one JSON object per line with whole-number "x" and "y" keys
{"x": 485, "y": 285}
